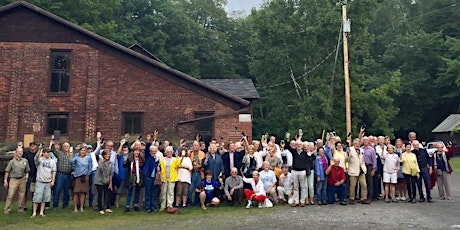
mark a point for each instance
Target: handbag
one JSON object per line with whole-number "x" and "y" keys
{"x": 157, "y": 180}
{"x": 268, "y": 203}
{"x": 438, "y": 172}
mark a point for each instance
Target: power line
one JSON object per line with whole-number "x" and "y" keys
{"x": 302, "y": 76}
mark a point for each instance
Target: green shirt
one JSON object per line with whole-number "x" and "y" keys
{"x": 17, "y": 168}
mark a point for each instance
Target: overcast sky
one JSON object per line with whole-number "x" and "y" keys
{"x": 242, "y": 5}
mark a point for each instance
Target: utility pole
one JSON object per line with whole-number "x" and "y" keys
{"x": 346, "y": 31}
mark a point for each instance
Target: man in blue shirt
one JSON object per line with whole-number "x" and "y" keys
{"x": 370, "y": 160}
{"x": 426, "y": 169}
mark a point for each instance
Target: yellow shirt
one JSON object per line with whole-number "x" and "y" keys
{"x": 409, "y": 164}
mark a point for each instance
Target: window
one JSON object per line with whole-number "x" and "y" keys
{"x": 60, "y": 71}
{"x": 205, "y": 127}
{"x": 57, "y": 121}
{"x": 132, "y": 123}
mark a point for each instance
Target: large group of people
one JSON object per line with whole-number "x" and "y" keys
{"x": 158, "y": 177}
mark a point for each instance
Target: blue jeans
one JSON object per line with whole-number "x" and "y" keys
{"x": 340, "y": 190}
{"x": 151, "y": 194}
{"x": 62, "y": 184}
{"x": 137, "y": 190}
{"x": 321, "y": 190}
{"x": 196, "y": 180}
{"x": 425, "y": 177}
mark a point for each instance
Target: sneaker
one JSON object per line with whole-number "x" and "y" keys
{"x": 261, "y": 205}
{"x": 343, "y": 203}
{"x": 387, "y": 200}
{"x": 429, "y": 200}
{"x": 148, "y": 211}
{"x": 403, "y": 198}
{"x": 395, "y": 201}
{"x": 249, "y": 204}
{"x": 421, "y": 200}
{"x": 108, "y": 210}
{"x": 126, "y": 209}
{"x": 101, "y": 212}
{"x": 137, "y": 209}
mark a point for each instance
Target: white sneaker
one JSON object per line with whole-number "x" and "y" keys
{"x": 403, "y": 198}
{"x": 249, "y": 204}
{"x": 261, "y": 205}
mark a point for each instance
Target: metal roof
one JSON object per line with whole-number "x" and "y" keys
{"x": 243, "y": 88}
{"x": 448, "y": 124}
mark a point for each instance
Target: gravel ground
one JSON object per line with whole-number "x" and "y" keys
{"x": 378, "y": 215}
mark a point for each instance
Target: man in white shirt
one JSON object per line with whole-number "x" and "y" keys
{"x": 285, "y": 186}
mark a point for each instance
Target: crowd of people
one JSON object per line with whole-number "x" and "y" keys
{"x": 158, "y": 177}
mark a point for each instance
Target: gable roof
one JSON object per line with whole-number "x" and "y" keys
{"x": 232, "y": 99}
{"x": 243, "y": 88}
{"x": 448, "y": 124}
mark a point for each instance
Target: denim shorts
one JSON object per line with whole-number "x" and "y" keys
{"x": 42, "y": 192}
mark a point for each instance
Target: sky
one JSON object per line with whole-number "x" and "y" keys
{"x": 242, "y": 5}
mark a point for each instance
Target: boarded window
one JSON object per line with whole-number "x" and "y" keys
{"x": 132, "y": 123}
{"x": 205, "y": 126}
{"x": 60, "y": 71}
{"x": 57, "y": 122}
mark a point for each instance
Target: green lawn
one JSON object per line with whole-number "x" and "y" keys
{"x": 455, "y": 164}
{"x": 90, "y": 219}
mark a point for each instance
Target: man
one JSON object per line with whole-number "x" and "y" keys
{"x": 234, "y": 188}
{"x": 357, "y": 172}
{"x": 17, "y": 171}
{"x": 63, "y": 178}
{"x": 299, "y": 167}
{"x": 370, "y": 160}
{"x": 425, "y": 165}
{"x": 46, "y": 175}
{"x": 197, "y": 156}
{"x": 413, "y": 137}
{"x": 285, "y": 185}
{"x": 29, "y": 154}
{"x": 232, "y": 159}
{"x": 336, "y": 182}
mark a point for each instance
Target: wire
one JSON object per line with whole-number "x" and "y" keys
{"x": 302, "y": 76}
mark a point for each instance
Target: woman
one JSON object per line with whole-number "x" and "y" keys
{"x": 213, "y": 162}
{"x": 103, "y": 181}
{"x": 401, "y": 188}
{"x": 134, "y": 179}
{"x": 268, "y": 178}
{"x": 390, "y": 172}
{"x": 411, "y": 172}
{"x": 184, "y": 178}
{"x": 169, "y": 177}
{"x": 443, "y": 172}
{"x": 82, "y": 167}
{"x": 310, "y": 179}
{"x": 208, "y": 190}
{"x": 321, "y": 165}
{"x": 249, "y": 160}
{"x": 257, "y": 193}
{"x": 274, "y": 161}
{"x": 338, "y": 152}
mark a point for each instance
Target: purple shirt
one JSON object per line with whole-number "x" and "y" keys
{"x": 369, "y": 156}
{"x": 324, "y": 160}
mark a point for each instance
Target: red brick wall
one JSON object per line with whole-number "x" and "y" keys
{"x": 102, "y": 87}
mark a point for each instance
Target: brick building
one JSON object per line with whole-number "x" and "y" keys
{"x": 58, "y": 76}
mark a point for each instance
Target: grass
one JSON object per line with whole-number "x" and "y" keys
{"x": 455, "y": 164}
{"x": 90, "y": 219}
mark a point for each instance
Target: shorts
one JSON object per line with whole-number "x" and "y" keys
{"x": 390, "y": 178}
{"x": 182, "y": 188}
{"x": 42, "y": 192}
